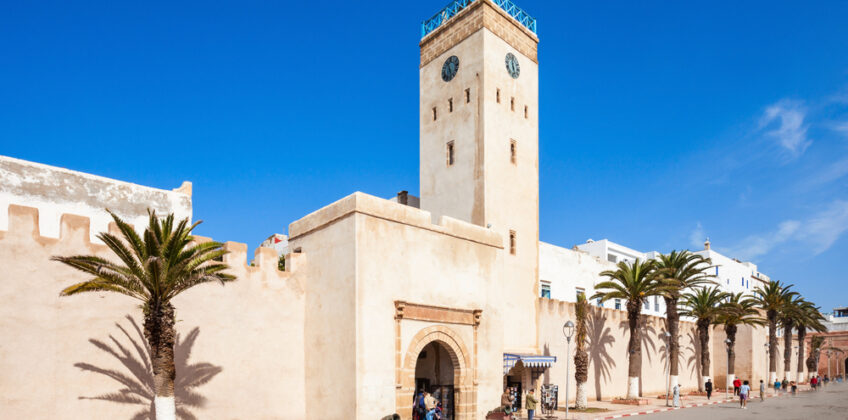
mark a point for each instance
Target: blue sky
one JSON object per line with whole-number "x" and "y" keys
{"x": 661, "y": 123}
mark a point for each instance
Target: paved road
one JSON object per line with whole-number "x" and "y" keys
{"x": 829, "y": 403}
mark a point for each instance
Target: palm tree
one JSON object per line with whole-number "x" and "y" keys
{"x": 809, "y": 317}
{"x": 153, "y": 268}
{"x": 703, "y": 304}
{"x": 737, "y": 310}
{"x": 787, "y": 319}
{"x": 771, "y": 298}
{"x": 816, "y": 344}
{"x": 679, "y": 271}
{"x": 581, "y": 358}
{"x": 632, "y": 282}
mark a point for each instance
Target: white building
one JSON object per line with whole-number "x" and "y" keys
{"x": 565, "y": 273}
{"x": 838, "y": 320}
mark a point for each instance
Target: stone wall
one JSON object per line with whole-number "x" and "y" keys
{"x": 239, "y": 351}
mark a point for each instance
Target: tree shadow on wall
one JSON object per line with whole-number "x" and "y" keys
{"x": 693, "y": 362}
{"x": 136, "y": 379}
{"x": 598, "y": 340}
{"x": 648, "y": 345}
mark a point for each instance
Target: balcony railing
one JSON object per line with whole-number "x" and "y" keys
{"x": 456, "y": 6}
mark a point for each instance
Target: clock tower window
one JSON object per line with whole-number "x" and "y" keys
{"x": 434, "y": 114}
{"x": 512, "y": 104}
{"x": 526, "y": 112}
{"x": 498, "y": 95}
{"x": 449, "y": 152}
{"x": 468, "y": 95}
{"x": 513, "y": 151}
{"x": 450, "y": 105}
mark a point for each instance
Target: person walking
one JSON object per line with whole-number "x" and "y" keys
{"x": 709, "y": 388}
{"x": 736, "y": 385}
{"x": 794, "y": 387}
{"x": 676, "y": 396}
{"x": 531, "y": 404}
{"x": 813, "y": 382}
{"x": 776, "y": 386}
{"x": 762, "y": 390}
{"x": 744, "y": 390}
{"x": 784, "y": 385}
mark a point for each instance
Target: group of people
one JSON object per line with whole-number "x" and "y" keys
{"x": 816, "y": 382}
{"x": 426, "y": 407}
{"x": 787, "y": 386}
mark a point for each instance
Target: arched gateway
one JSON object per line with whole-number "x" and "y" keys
{"x": 438, "y": 340}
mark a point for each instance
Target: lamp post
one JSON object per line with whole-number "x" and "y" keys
{"x": 668, "y": 365}
{"x": 727, "y": 378}
{"x": 828, "y": 363}
{"x": 567, "y": 331}
{"x": 768, "y": 365}
{"x": 796, "y": 366}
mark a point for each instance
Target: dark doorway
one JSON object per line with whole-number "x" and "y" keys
{"x": 434, "y": 373}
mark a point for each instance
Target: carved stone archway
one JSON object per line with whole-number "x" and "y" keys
{"x": 465, "y": 398}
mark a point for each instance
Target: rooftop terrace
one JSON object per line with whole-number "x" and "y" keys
{"x": 454, "y": 7}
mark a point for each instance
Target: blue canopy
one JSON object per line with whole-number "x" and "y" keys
{"x": 529, "y": 360}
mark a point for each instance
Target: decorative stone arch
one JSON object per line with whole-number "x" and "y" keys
{"x": 465, "y": 396}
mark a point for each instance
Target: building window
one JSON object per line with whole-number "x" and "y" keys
{"x": 450, "y": 153}
{"x": 656, "y": 303}
{"x": 512, "y": 104}
{"x": 450, "y": 105}
{"x": 434, "y": 114}
{"x": 647, "y": 305}
{"x": 513, "y": 150}
{"x": 618, "y": 304}
{"x": 468, "y": 95}
{"x": 512, "y": 242}
{"x": 546, "y": 290}
{"x": 498, "y": 95}
{"x": 600, "y": 303}
{"x": 612, "y": 258}
{"x": 526, "y": 112}
{"x": 580, "y": 292}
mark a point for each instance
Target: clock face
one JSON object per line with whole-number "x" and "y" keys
{"x": 512, "y": 66}
{"x": 450, "y": 68}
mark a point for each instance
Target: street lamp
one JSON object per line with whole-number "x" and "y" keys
{"x": 727, "y": 379}
{"x": 828, "y": 363}
{"x": 567, "y": 331}
{"x": 768, "y": 365}
{"x": 668, "y": 365}
{"x": 796, "y": 365}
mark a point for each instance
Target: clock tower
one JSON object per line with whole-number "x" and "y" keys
{"x": 479, "y": 149}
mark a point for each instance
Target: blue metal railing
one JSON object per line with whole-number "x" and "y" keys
{"x": 456, "y": 6}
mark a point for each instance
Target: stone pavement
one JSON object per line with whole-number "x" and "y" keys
{"x": 656, "y": 405}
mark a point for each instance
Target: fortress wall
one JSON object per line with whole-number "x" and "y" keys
{"x": 608, "y": 334}
{"x": 239, "y": 352}
{"x": 55, "y": 191}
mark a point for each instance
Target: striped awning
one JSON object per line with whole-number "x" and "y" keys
{"x": 527, "y": 360}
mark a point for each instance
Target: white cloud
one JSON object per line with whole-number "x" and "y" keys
{"x": 818, "y": 232}
{"x": 841, "y": 127}
{"x": 823, "y": 229}
{"x": 758, "y": 245}
{"x": 697, "y": 237}
{"x": 832, "y": 172}
{"x": 791, "y": 132}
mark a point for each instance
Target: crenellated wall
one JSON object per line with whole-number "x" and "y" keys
{"x": 239, "y": 351}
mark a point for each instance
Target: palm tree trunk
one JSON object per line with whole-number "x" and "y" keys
{"x": 802, "y": 335}
{"x": 673, "y": 326}
{"x": 730, "y": 330}
{"x": 787, "y": 352}
{"x": 772, "y": 320}
{"x": 634, "y": 349}
{"x": 704, "y": 336}
{"x": 160, "y": 334}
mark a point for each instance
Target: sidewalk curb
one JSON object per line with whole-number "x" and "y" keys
{"x": 660, "y": 410}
